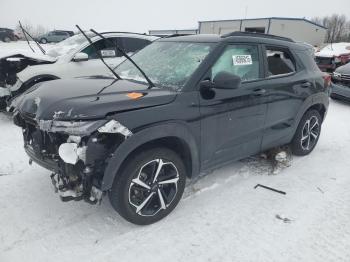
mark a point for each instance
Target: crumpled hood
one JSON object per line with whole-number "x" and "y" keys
{"x": 345, "y": 69}
{"x": 335, "y": 49}
{"x": 80, "y": 99}
{"x": 39, "y": 57}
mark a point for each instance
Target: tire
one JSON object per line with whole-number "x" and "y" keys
{"x": 307, "y": 133}
{"x": 43, "y": 41}
{"x": 134, "y": 195}
{"x": 3, "y": 103}
{"x": 7, "y": 39}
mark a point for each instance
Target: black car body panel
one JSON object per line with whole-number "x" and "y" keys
{"x": 341, "y": 83}
{"x": 89, "y": 99}
{"x": 6, "y": 33}
{"x": 208, "y": 127}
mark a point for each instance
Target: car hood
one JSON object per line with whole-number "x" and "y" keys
{"x": 16, "y": 56}
{"x": 345, "y": 69}
{"x": 83, "y": 99}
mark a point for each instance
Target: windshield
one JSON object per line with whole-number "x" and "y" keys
{"x": 68, "y": 45}
{"x": 168, "y": 64}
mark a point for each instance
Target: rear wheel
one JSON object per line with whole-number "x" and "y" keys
{"x": 149, "y": 187}
{"x": 43, "y": 40}
{"x": 307, "y": 133}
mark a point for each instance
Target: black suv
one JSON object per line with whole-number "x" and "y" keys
{"x": 207, "y": 100}
{"x": 7, "y": 35}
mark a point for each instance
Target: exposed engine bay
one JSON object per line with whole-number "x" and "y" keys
{"x": 77, "y": 161}
{"x": 11, "y": 65}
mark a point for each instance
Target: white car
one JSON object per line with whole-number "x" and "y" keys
{"x": 332, "y": 56}
{"x": 73, "y": 57}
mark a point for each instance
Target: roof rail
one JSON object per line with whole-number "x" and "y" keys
{"x": 239, "y": 33}
{"x": 175, "y": 35}
{"x": 116, "y": 32}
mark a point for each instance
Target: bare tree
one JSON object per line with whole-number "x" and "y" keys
{"x": 337, "y": 27}
{"x": 34, "y": 31}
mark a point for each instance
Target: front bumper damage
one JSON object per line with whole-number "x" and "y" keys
{"x": 77, "y": 157}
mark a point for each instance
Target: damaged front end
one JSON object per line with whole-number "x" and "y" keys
{"x": 77, "y": 152}
{"x": 13, "y": 64}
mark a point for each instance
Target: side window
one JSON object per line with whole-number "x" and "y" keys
{"x": 106, "y": 49}
{"x": 279, "y": 61}
{"x": 240, "y": 60}
{"x": 132, "y": 45}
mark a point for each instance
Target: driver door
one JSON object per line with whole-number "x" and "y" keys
{"x": 232, "y": 120}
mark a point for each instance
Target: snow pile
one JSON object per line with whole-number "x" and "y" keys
{"x": 335, "y": 49}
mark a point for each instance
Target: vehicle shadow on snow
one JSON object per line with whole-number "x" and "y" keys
{"x": 271, "y": 162}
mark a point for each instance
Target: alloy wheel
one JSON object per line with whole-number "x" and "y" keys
{"x": 154, "y": 188}
{"x": 310, "y": 133}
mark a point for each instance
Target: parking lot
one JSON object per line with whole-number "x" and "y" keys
{"x": 221, "y": 215}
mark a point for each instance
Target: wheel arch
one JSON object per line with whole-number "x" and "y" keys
{"x": 318, "y": 102}
{"x": 174, "y": 136}
{"x": 32, "y": 81}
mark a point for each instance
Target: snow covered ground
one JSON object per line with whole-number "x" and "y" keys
{"x": 220, "y": 218}
{"x": 21, "y": 47}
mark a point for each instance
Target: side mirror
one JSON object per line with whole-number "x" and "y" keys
{"x": 225, "y": 80}
{"x": 79, "y": 57}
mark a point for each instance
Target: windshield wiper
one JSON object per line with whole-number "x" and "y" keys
{"x": 25, "y": 36}
{"x": 98, "y": 54}
{"x": 25, "y": 33}
{"x": 150, "y": 83}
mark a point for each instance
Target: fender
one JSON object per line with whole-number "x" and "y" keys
{"x": 32, "y": 81}
{"x": 319, "y": 98}
{"x": 169, "y": 129}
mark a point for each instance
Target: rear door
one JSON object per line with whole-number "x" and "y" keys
{"x": 288, "y": 85}
{"x": 232, "y": 120}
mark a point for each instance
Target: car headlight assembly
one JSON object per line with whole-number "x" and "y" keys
{"x": 83, "y": 128}
{"x": 336, "y": 75}
{"x": 78, "y": 128}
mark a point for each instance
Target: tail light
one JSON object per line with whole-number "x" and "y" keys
{"x": 327, "y": 80}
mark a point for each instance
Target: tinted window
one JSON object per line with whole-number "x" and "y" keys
{"x": 61, "y": 33}
{"x": 102, "y": 45}
{"x": 240, "y": 60}
{"x": 132, "y": 45}
{"x": 279, "y": 61}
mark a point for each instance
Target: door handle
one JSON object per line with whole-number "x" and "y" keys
{"x": 306, "y": 85}
{"x": 259, "y": 92}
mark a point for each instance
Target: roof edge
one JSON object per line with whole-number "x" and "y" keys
{"x": 266, "y": 18}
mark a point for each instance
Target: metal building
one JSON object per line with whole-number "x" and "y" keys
{"x": 299, "y": 29}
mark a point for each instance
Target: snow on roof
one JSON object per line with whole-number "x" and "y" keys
{"x": 335, "y": 49}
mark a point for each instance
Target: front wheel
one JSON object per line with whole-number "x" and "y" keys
{"x": 43, "y": 40}
{"x": 149, "y": 187}
{"x": 307, "y": 133}
{"x": 7, "y": 39}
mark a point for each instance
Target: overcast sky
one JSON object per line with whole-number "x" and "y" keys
{"x": 140, "y": 16}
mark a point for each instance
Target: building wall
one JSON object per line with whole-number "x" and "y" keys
{"x": 298, "y": 30}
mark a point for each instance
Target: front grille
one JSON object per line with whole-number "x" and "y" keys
{"x": 43, "y": 143}
{"x": 345, "y": 77}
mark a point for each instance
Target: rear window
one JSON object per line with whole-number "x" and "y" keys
{"x": 279, "y": 61}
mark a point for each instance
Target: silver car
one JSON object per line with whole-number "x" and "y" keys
{"x": 54, "y": 36}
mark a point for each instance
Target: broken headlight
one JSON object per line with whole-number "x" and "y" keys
{"x": 81, "y": 128}
{"x": 78, "y": 128}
